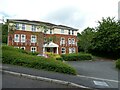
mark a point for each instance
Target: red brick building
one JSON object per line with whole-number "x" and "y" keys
{"x": 37, "y": 36}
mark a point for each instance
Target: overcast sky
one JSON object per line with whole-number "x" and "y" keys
{"x": 74, "y": 13}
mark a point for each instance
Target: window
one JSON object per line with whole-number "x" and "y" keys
{"x": 73, "y": 41}
{"x": 17, "y": 26}
{"x": 16, "y": 37}
{"x": 63, "y": 50}
{"x": 68, "y": 32}
{"x": 72, "y": 50}
{"x": 23, "y": 38}
{"x": 72, "y": 32}
{"x": 33, "y": 49}
{"x": 69, "y": 40}
{"x": 62, "y": 40}
{"x": 33, "y": 39}
{"x": 33, "y": 28}
{"x": 23, "y": 26}
{"x": 22, "y": 48}
{"x": 62, "y": 30}
{"x": 50, "y": 31}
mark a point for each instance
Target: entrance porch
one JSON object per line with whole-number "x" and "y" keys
{"x": 50, "y": 47}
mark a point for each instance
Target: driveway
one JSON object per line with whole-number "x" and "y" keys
{"x": 97, "y": 70}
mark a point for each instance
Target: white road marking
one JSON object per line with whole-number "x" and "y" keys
{"x": 98, "y": 78}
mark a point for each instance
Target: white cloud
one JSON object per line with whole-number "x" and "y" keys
{"x": 87, "y": 12}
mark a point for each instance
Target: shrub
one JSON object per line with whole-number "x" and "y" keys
{"x": 5, "y": 47}
{"x": 54, "y": 56}
{"x": 118, "y": 64}
{"x": 14, "y": 56}
{"x": 76, "y": 57}
{"x": 60, "y": 59}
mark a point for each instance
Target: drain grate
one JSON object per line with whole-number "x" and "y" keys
{"x": 101, "y": 83}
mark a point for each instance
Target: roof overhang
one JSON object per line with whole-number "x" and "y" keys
{"x": 51, "y": 44}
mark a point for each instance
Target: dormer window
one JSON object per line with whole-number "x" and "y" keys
{"x": 62, "y": 30}
{"x": 68, "y": 32}
{"x": 17, "y": 26}
{"x": 23, "y": 26}
{"x": 50, "y": 31}
{"x": 33, "y": 28}
{"x": 72, "y": 32}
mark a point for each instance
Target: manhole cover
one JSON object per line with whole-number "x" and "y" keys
{"x": 100, "y": 83}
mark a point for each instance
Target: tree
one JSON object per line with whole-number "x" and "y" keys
{"x": 85, "y": 39}
{"x": 107, "y": 38}
{"x": 4, "y": 33}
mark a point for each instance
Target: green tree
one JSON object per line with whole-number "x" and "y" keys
{"x": 4, "y": 33}
{"x": 107, "y": 38}
{"x": 85, "y": 38}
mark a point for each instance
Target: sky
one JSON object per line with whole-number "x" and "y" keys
{"x": 78, "y": 14}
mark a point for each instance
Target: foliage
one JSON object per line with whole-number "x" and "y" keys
{"x": 103, "y": 40}
{"x": 54, "y": 56}
{"x": 76, "y": 57}
{"x": 107, "y": 38}
{"x": 5, "y": 47}
{"x": 14, "y": 56}
{"x": 118, "y": 64}
{"x": 85, "y": 39}
{"x": 4, "y": 33}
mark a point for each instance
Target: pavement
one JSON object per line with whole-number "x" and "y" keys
{"x": 12, "y": 81}
{"x": 87, "y": 76}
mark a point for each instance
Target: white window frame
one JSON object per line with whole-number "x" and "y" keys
{"x": 72, "y": 32}
{"x": 33, "y": 50}
{"x": 69, "y": 41}
{"x": 23, "y": 26}
{"x": 22, "y": 47}
{"x": 63, "y": 50}
{"x": 17, "y": 26}
{"x": 33, "y": 40}
{"x": 16, "y": 39}
{"x": 51, "y": 31}
{"x": 70, "y": 50}
{"x": 33, "y": 28}
{"x": 69, "y": 32}
{"x": 62, "y": 40}
{"x": 73, "y": 50}
{"x": 62, "y": 30}
{"x": 23, "y": 39}
{"x": 73, "y": 41}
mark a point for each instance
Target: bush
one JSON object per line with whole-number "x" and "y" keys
{"x": 76, "y": 57}
{"x": 54, "y": 56}
{"x": 5, "y": 47}
{"x": 60, "y": 59}
{"x": 118, "y": 64}
{"x": 4, "y": 39}
{"x": 14, "y": 56}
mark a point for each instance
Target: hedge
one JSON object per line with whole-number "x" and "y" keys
{"x": 118, "y": 64}
{"x": 76, "y": 57}
{"x": 14, "y": 56}
{"x": 5, "y": 47}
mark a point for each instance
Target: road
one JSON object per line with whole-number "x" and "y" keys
{"x": 104, "y": 71}
{"x": 10, "y": 81}
{"x": 94, "y": 74}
